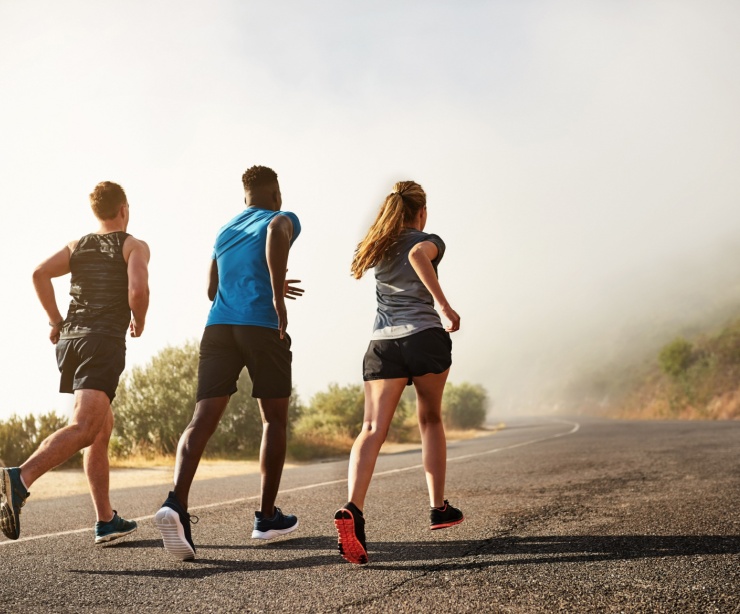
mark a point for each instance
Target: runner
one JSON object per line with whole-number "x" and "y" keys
{"x": 409, "y": 345}
{"x": 246, "y": 326}
{"x": 110, "y": 295}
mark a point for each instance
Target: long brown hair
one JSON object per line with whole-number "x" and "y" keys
{"x": 400, "y": 207}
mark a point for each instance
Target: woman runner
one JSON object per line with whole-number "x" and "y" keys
{"x": 409, "y": 345}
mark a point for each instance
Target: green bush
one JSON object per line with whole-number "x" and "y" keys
{"x": 464, "y": 406}
{"x": 676, "y": 357}
{"x": 156, "y": 402}
{"x": 19, "y": 437}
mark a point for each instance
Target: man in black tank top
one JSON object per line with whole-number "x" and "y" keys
{"x": 110, "y": 296}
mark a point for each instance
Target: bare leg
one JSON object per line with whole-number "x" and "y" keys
{"x": 97, "y": 470}
{"x": 90, "y": 413}
{"x": 272, "y": 450}
{"x": 193, "y": 441}
{"x": 381, "y": 400}
{"x": 429, "y": 389}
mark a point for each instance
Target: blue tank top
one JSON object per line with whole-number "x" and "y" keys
{"x": 244, "y": 294}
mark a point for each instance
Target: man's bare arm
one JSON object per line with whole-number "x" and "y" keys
{"x": 279, "y": 234}
{"x": 138, "y": 283}
{"x": 54, "y": 266}
{"x": 213, "y": 280}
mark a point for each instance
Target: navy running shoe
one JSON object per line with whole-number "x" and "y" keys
{"x": 173, "y": 523}
{"x": 445, "y": 516}
{"x": 113, "y": 529}
{"x": 13, "y": 497}
{"x": 350, "y": 525}
{"x": 279, "y": 524}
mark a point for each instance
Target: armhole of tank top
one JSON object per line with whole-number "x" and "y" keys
{"x": 123, "y": 243}
{"x": 77, "y": 244}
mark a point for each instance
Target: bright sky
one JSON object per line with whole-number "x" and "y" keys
{"x": 567, "y": 148}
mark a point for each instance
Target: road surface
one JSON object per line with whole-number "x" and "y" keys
{"x": 578, "y": 515}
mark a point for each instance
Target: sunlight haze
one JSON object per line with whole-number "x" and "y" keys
{"x": 580, "y": 161}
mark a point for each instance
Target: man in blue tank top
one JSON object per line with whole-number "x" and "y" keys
{"x": 110, "y": 296}
{"x": 246, "y": 327}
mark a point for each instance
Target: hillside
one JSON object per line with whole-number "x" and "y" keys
{"x": 692, "y": 377}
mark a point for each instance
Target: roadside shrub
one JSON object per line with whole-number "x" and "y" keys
{"x": 19, "y": 437}
{"x": 464, "y": 406}
{"x": 155, "y": 403}
{"x": 676, "y": 357}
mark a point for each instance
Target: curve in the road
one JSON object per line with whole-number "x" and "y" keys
{"x": 575, "y": 426}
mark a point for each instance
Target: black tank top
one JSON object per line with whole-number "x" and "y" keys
{"x": 99, "y": 288}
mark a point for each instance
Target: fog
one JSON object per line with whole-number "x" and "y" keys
{"x": 580, "y": 161}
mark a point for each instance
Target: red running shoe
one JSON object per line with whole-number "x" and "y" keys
{"x": 350, "y": 525}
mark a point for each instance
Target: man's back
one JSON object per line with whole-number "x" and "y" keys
{"x": 98, "y": 287}
{"x": 244, "y": 294}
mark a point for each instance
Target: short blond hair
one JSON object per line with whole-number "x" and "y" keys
{"x": 107, "y": 199}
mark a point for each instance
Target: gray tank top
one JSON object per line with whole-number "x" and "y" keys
{"x": 99, "y": 288}
{"x": 405, "y": 306}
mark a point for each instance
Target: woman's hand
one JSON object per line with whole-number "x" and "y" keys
{"x": 450, "y": 314}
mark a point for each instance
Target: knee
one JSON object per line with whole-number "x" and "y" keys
{"x": 370, "y": 428}
{"x": 275, "y": 423}
{"x": 202, "y": 424}
{"x": 430, "y": 418}
{"x": 84, "y": 432}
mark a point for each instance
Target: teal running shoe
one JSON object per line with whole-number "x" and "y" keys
{"x": 13, "y": 497}
{"x": 115, "y": 528}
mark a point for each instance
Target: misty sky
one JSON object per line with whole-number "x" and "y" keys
{"x": 580, "y": 160}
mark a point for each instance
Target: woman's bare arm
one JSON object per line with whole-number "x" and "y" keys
{"x": 420, "y": 257}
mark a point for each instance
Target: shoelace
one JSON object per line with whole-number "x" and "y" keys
{"x": 190, "y": 518}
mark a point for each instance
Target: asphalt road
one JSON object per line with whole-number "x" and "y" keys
{"x": 574, "y": 515}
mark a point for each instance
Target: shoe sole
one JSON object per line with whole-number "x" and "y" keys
{"x": 273, "y": 532}
{"x": 444, "y": 525}
{"x": 113, "y": 536}
{"x": 8, "y": 521}
{"x": 349, "y": 546}
{"x": 168, "y": 522}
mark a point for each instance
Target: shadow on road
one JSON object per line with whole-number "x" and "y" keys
{"x": 508, "y": 551}
{"x": 434, "y": 555}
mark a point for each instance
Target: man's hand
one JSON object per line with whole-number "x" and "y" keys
{"x": 282, "y": 314}
{"x": 54, "y": 334}
{"x": 136, "y": 327}
{"x": 292, "y": 292}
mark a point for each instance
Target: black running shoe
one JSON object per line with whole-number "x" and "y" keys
{"x": 279, "y": 524}
{"x": 173, "y": 523}
{"x": 350, "y": 524}
{"x": 13, "y": 497}
{"x": 445, "y": 516}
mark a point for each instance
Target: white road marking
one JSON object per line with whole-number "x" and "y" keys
{"x": 575, "y": 428}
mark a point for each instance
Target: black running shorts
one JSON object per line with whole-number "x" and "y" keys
{"x": 226, "y": 349}
{"x": 428, "y": 351}
{"x": 93, "y": 362}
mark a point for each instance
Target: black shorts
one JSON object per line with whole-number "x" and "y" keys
{"x": 226, "y": 349}
{"x": 428, "y": 351}
{"x": 93, "y": 362}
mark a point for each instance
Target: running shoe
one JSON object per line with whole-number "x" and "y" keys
{"x": 350, "y": 524}
{"x": 279, "y": 524}
{"x": 113, "y": 529}
{"x": 445, "y": 516}
{"x": 173, "y": 523}
{"x": 13, "y": 497}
